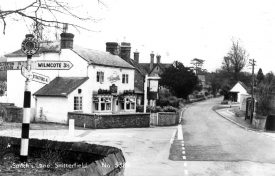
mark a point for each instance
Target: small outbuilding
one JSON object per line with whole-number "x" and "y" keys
{"x": 238, "y": 90}
{"x": 60, "y": 96}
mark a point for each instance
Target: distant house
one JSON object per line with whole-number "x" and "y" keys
{"x": 237, "y": 91}
{"x": 99, "y": 82}
{"x": 152, "y": 69}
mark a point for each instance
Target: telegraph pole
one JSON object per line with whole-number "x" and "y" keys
{"x": 252, "y": 62}
{"x": 29, "y": 46}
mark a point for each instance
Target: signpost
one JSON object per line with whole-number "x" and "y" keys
{"x": 40, "y": 78}
{"x": 16, "y": 65}
{"x": 52, "y": 65}
{"x": 30, "y": 46}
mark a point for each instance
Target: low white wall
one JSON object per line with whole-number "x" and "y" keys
{"x": 54, "y": 109}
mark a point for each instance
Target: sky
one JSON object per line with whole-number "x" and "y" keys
{"x": 176, "y": 29}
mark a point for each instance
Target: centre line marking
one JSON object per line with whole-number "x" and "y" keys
{"x": 180, "y": 135}
{"x": 185, "y": 164}
{"x": 183, "y": 152}
{"x": 186, "y": 172}
{"x": 184, "y": 157}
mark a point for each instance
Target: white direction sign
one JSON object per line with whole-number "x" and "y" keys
{"x": 40, "y": 78}
{"x": 16, "y": 65}
{"x": 32, "y": 76}
{"x": 52, "y": 65}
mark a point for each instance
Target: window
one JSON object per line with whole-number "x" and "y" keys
{"x": 129, "y": 103}
{"x": 78, "y": 103}
{"x": 100, "y": 76}
{"x": 102, "y": 103}
{"x": 125, "y": 78}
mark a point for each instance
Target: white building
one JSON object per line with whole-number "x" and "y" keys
{"x": 98, "y": 82}
{"x": 237, "y": 90}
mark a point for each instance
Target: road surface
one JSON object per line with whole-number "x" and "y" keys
{"x": 215, "y": 146}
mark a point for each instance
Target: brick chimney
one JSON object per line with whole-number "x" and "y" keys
{"x": 136, "y": 56}
{"x": 158, "y": 59}
{"x": 125, "y": 50}
{"x": 112, "y": 47}
{"x": 67, "y": 40}
{"x": 152, "y": 55}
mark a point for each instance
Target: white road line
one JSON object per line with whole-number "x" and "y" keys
{"x": 185, "y": 164}
{"x": 182, "y": 145}
{"x": 184, "y": 157}
{"x": 173, "y": 137}
{"x": 183, "y": 148}
{"x": 183, "y": 152}
{"x": 186, "y": 172}
{"x": 180, "y": 135}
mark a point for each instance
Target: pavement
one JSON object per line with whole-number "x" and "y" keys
{"x": 227, "y": 113}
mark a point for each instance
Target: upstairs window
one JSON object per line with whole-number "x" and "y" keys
{"x": 78, "y": 103}
{"x": 125, "y": 78}
{"x": 100, "y": 76}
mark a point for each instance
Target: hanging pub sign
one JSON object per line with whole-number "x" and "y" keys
{"x": 153, "y": 86}
{"x": 113, "y": 88}
{"x": 114, "y": 77}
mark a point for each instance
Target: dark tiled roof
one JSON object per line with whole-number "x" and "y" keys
{"x": 45, "y": 47}
{"x": 146, "y": 66}
{"x": 138, "y": 66}
{"x": 101, "y": 58}
{"x": 61, "y": 86}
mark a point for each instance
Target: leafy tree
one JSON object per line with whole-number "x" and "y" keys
{"x": 180, "y": 80}
{"x": 197, "y": 65}
{"x": 260, "y": 76}
{"x": 44, "y": 13}
{"x": 264, "y": 92}
{"x": 214, "y": 80}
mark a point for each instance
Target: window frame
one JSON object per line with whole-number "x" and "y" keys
{"x": 100, "y": 76}
{"x": 104, "y": 104}
{"x": 78, "y": 103}
{"x": 125, "y": 78}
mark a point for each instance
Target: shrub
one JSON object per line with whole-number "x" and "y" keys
{"x": 169, "y": 109}
{"x": 168, "y": 101}
{"x": 139, "y": 108}
{"x": 224, "y": 102}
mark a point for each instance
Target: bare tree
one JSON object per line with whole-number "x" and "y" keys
{"x": 44, "y": 13}
{"x": 235, "y": 60}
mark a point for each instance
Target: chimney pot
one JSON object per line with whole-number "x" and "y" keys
{"x": 125, "y": 50}
{"x": 67, "y": 40}
{"x": 152, "y": 55}
{"x": 158, "y": 59}
{"x": 112, "y": 47}
{"x": 136, "y": 56}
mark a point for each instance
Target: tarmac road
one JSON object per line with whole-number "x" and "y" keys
{"x": 215, "y": 146}
{"x": 212, "y": 145}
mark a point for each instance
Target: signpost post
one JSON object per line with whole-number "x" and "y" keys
{"x": 29, "y": 46}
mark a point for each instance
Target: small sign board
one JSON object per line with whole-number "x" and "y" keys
{"x": 32, "y": 76}
{"x": 40, "y": 78}
{"x": 16, "y": 65}
{"x": 52, "y": 65}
